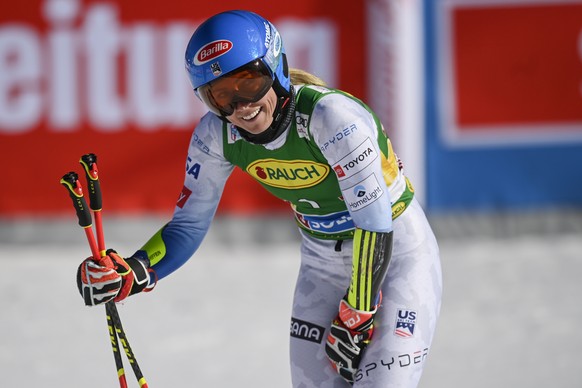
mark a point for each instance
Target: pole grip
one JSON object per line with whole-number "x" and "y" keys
{"x": 71, "y": 182}
{"x": 89, "y": 163}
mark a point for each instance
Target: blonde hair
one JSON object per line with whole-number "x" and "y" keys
{"x": 301, "y": 77}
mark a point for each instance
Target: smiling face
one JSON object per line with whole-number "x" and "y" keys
{"x": 255, "y": 117}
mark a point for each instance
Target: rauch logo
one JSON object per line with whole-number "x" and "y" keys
{"x": 288, "y": 174}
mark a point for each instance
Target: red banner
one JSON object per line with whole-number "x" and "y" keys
{"x": 519, "y": 64}
{"x": 108, "y": 77}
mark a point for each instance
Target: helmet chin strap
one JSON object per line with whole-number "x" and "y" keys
{"x": 284, "y": 112}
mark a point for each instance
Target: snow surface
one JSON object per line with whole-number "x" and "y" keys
{"x": 511, "y": 317}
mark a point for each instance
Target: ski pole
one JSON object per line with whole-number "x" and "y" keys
{"x": 71, "y": 182}
{"x": 89, "y": 163}
{"x": 115, "y": 346}
{"x": 125, "y": 343}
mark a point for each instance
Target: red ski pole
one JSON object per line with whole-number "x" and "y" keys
{"x": 89, "y": 163}
{"x": 72, "y": 184}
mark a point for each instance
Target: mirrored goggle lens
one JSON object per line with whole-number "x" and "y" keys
{"x": 246, "y": 84}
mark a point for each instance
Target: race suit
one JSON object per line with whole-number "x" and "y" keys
{"x": 336, "y": 168}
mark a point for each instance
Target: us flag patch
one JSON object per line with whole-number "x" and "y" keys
{"x": 405, "y": 323}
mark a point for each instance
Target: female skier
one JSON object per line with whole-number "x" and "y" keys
{"x": 368, "y": 293}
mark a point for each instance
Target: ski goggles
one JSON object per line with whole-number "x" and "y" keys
{"x": 248, "y": 83}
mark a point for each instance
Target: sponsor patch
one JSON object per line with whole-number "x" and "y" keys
{"x": 267, "y": 34}
{"x": 380, "y": 366}
{"x": 274, "y": 45}
{"x": 364, "y": 193}
{"x": 356, "y": 160}
{"x": 288, "y": 174}
{"x": 339, "y": 171}
{"x": 301, "y": 121}
{"x": 196, "y": 140}
{"x": 183, "y": 198}
{"x": 212, "y": 51}
{"x": 306, "y": 330}
{"x": 216, "y": 69}
{"x": 397, "y": 209}
{"x": 339, "y": 136}
{"x": 405, "y": 323}
{"x": 329, "y": 223}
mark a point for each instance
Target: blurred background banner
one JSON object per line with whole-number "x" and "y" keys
{"x": 504, "y": 88}
{"x": 482, "y": 98}
{"x": 107, "y": 77}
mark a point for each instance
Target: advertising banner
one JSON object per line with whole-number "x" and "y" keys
{"x": 505, "y": 104}
{"x": 107, "y": 77}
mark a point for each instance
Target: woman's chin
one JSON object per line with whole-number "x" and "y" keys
{"x": 256, "y": 127}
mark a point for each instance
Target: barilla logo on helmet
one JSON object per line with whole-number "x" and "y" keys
{"x": 211, "y": 51}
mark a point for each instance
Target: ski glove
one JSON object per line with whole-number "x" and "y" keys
{"x": 113, "y": 278}
{"x": 351, "y": 331}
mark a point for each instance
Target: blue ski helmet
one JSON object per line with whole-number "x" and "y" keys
{"x": 230, "y": 40}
